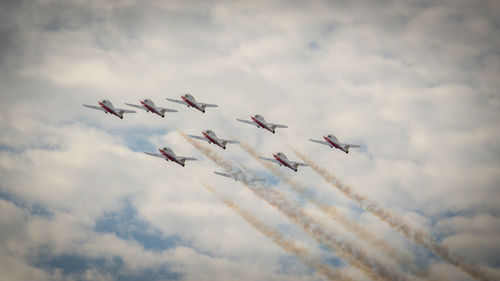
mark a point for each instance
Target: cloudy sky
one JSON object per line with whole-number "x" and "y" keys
{"x": 416, "y": 83}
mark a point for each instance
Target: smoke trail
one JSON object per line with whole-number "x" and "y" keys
{"x": 396, "y": 222}
{"x": 405, "y": 261}
{"x": 287, "y": 245}
{"x": 355, "y": 256}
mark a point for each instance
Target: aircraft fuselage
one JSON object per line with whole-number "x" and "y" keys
{"x": 211, "y": 137}
{"x": 171, "y": 156}
{"x": 284, "y": 161}
{"x": 149, "y": 105}
{"x": 192, "y": 102}
{"x": 261, "y": 122}
{"x": 334, "y": 142}
{"x": 108, "y": 106}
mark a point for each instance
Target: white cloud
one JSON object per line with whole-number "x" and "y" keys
{"x": 414, "y": 83}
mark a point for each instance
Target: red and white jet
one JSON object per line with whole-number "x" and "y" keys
{"x": 107, "y": 107}
{"x": 281, "y": 159}
{"x": 167, "y": 154}
{"x": 189, "y": 100}
{"x": 150, "y": 106}
{"x": 210, "y": 137}
{"x": 260, "y": 122}
{"x": 333, "y": 142}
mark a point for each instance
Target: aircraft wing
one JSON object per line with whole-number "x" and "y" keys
{"x": 278, "y": 125}
{"x": 231, "y": 141}
{"x": 188, "y": 158}
{"x": 157, "y": 155}
{"x": 270, "y": 160}
{"x": 137, "y": 106}
{"x": 178, "y": 101}
{"x": 225, "y": 175}
{"x": 95, "y": 107}
{"x": 300, "y": 164}
{"x": 246, "y": 121}
{"x": 351, "y": 145}
{"x": 126, "y": 110}
{"x": 167, "y": 109}
{"x": 198, "y": 138}
{"x": 208, "y": 105}
{"x": 322, "y": 142}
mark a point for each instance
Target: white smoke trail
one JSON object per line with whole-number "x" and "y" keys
{"x": 403, "y": 260}
{"x": 278, "y": 238}
{"x": 397, "y": 222}
{"x": 354, "y": 255}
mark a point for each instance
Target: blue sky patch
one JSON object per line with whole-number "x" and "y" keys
{"x": 126, "y": 224}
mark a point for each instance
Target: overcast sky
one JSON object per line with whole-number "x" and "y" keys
{"x": 416, "y": 83}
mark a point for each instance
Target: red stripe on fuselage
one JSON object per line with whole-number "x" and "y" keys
{"x": 189, "y": 102}
{"x": 260, "y": 124}
{"x": 149, "y": 107}
{"x": 211, "y": 139}
{"x": 282, "y": 162}
{"x": 331, "y": 142}
{"x": 167, "y": 155}
{"x": 108, "y": 109}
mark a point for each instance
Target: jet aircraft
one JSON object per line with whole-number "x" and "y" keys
{"x": 190, "y": 101}
{"x": 167, "y": 154}
{"x": 239, "y": 175}
{"x": 107, "y": 107}
{"x": 150, "y": 106}
{"x": 260, "y": 122}
{"x": 333, "y": 142}
{"x": 210, "y": 137}
{"x": 281, "y": 159}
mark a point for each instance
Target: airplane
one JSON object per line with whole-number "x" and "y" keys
{"x": 107, "y": 107}
{"x": 168, "y": 154}
{"x": 210, "y": 137}
{"x": 333, "y": 142}
{"x": 260, "y": 122}
{"x": 238, "y": 175}
{"x": 281, "y": 159}
{"x": 233, "y": 175}
{"x": 149, "y": 105}
{"x": 189, "y": 100}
